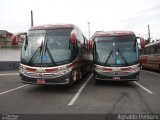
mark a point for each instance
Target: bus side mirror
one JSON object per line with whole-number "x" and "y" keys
{"x": 142, "y": 42}
{"x": 89, "y": 45}
{"x": 73, "y": 37}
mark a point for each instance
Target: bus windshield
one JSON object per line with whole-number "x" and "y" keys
{"x": 115, "y": 50}
{"x": 46, "y": 47}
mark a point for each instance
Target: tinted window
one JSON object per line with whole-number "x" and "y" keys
{"x": 58, "y": 44}
{"x": 116, "y": 50}
{"x": 50, "y": 47}
{"x": 152, "y": 49}
{"x": 158, "y": 48}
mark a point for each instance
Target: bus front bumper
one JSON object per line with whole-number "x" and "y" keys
{"x": 65, "y": 79}
{"x": 126, "y": 77}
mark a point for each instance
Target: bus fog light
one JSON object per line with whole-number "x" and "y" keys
{"x": 98, "y": 70}
{"x": 67, "y": 79}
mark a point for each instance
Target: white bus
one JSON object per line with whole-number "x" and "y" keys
{"x": 54, "y": 54}
{"x": 116, "y": 56}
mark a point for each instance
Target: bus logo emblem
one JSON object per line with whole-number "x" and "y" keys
{"x": 40, "y": 70}
{"x": 116, "y": 70}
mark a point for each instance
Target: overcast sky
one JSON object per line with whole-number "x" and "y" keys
{"x": 106, "y": 15}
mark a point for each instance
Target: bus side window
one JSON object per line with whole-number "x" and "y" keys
{"x": 81, "y": 40}
{"x": 158, "y": 48}
{"x": 152, "y": 49}
{"x": 141, "y": 51}
{"x": 146, "y": 50}
{"x": 84, "y": 43}
{"x": 76, "y": 51}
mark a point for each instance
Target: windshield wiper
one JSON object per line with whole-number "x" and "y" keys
{"x": 110, "y": 53}
{"x": 124, "y": 59}
{"x": 38, "y": 50}
{"x": 49, "y": 53}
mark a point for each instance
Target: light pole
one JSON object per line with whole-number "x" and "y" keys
{"x": 149, "y": 35}
{"x": 89, "y": 30}
{"x": 31, "y": 18}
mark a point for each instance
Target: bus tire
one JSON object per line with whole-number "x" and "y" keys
{"x": 141, "y": 66}
{"x": 79, "y": 78}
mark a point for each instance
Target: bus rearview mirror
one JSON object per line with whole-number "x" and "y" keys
{"x": 73, "y": 37}
{"x": 90, "y": 45}
{"x": 142, "y": 42}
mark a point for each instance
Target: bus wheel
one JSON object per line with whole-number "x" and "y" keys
{"x": 79, "y": 77}
{"x": 141, "y": 67}
{"x": 159, "y": 68}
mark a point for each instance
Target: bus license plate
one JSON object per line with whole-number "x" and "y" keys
{"x": 116, "y": 78}
{"x": 41, "y": 81}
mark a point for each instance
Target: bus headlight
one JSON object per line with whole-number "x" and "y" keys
{"x": 98, "y": 70}
{"x": 135, "y": 68}
{"x": 63, "y": 72}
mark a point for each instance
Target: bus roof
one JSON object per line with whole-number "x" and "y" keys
{"x": 52, "y": 26}
{"x": 154, "y": 43}
{"x": 113, "y": 33}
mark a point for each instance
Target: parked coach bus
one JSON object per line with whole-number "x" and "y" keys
{"x": 116, "y": 56}
{"x": 150, "y": 56}
{"x": 54, "y": 54}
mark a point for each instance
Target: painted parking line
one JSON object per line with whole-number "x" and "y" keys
{"x": 8, "y": 74}
{"x": 79, "y": 91}
{"x": 144, "y": 88}
{"x": 8, "y": 91}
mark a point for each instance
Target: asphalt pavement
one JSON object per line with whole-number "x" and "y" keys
{"x": 88, "y": 97}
